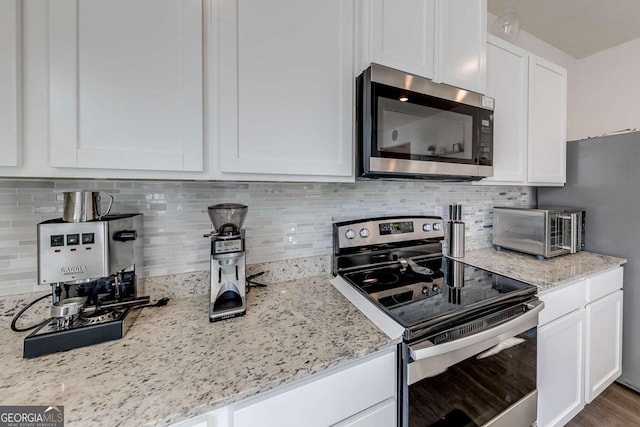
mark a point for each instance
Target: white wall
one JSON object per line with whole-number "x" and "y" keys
{"x": 538, "y": 47}
{"x": 605, "y": 92}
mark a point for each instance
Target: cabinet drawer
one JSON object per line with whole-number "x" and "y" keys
{"x": 564, "y": 300}
{"x": 604, "y": 284}
{"x": 326, "y": 400}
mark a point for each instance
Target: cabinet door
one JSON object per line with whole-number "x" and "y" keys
{"x": 403, "y": 35}
{"x": 603, "y": 344}
{"x": 462, "y": 43}
{"x": 507, "y": 82}
{"x": 381, "y": 415}
{"x": 10, "y": 93}
{"x": 126, "y": 84}
{"x": 547, "y": 122}
{"x": 324, "y": 399}
{"x": 560, "y": 369}
{"x": 286, "y": 87}
{"x": 216, "y": 418}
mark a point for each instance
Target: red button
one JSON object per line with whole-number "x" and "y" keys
{"x": 73, "y": 249}
{"x": 57, "y": 250}
{"x": 88, "y": 248}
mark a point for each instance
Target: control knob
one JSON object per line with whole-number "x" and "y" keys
{"x": 426, "y": 227}
{"x": 436, "y": 226}
{"x": 364, "y": 233}
{"x": 350, "y": 234}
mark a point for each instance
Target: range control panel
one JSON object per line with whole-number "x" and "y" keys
{"x": 352, "y": 234}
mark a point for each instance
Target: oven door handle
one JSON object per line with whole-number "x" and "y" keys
{"x": 528, "y": 320}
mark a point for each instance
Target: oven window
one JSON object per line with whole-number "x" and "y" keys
{"x": 421, "y": 127}
{"x": 475, "y": 390}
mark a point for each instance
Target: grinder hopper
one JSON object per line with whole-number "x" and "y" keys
{"x": 227, "y": 218}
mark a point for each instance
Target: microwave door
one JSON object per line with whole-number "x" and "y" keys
{"x": 420, "y": 132}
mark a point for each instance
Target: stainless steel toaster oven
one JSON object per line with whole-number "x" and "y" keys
{"x": 544, "y": 231}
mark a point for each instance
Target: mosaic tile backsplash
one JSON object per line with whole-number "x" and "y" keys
{"x": 285, "y": 220}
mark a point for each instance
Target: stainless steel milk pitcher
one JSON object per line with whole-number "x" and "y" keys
{"x": 82, "y": 206}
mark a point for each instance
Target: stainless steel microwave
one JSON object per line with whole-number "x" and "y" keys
{"x": 544, "y": 231}
{"x": 408, "y": 127}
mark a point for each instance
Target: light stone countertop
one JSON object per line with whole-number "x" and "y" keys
{"x": 546, "y": 274}
{"x": 174, "y": 364}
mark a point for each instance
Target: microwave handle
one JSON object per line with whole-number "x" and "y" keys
{"x": 573, "y": 238}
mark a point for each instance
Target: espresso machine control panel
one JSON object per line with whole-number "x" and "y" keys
{"x": 74, "y": 251}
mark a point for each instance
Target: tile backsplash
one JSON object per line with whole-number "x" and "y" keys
{"x": 285, "y": 220}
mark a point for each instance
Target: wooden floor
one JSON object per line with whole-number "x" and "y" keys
{"x": 617, "y": 406}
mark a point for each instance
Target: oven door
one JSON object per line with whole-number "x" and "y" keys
{"x": 488, "y": 378}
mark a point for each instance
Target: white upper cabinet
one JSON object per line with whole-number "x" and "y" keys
{"x": 462, "y": 41}
{"x": 443, "y": 40}
{"x": 125, "y": 84}
{"x": 529, "y": 141}
{"x": 401, "y": 35}
{"x": 507, "y": 83}
{"x": 10, "y": 83}
{"x": 547, "y": 122}
{"x": 285, "y": 83}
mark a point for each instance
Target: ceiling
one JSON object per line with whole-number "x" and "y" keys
{"x": 577, "y": 27}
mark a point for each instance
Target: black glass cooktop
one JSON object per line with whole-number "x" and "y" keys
{"x": 447, "y": 292}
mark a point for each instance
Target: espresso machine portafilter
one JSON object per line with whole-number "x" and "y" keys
{"x": 228, "y": 282}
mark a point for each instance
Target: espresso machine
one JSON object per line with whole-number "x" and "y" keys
{"x": 228, "y": 282}
{"x": 90, "y": 266}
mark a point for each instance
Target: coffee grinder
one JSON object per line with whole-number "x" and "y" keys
{"x": 228, "y": 283}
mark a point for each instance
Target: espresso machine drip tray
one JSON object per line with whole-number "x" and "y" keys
{"x": 61, "y": 334}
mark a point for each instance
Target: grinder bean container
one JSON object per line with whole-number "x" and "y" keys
{"x": 455, "y": 236}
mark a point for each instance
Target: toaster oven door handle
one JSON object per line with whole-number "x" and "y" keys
{"x": 574, "y": 233}
{"x": 525, "y": 321}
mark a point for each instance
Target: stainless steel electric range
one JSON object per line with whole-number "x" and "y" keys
{"x": 469, "y": 336}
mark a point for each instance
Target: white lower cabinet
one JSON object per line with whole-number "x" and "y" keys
{"x": 604, "y": 344}
{"x": 335, "y": 396}
{"x": 217, "y": 418}
{"x": 579, "y": 345}
{"x": 361, "y": 394}
{"x": 381, "y": 415}
{"x": 560, "y": 369}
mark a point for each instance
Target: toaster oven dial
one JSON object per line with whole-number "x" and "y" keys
{"x": 426, "y": 227}
{"x": 436, "y": 226}
{"x": 364, "y": 233}
{"x": 350, "y": 234}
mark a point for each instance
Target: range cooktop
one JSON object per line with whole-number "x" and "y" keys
{"x": 446, "y": 292}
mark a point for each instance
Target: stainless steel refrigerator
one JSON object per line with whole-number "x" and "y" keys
{"x": 603, "y": 176}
